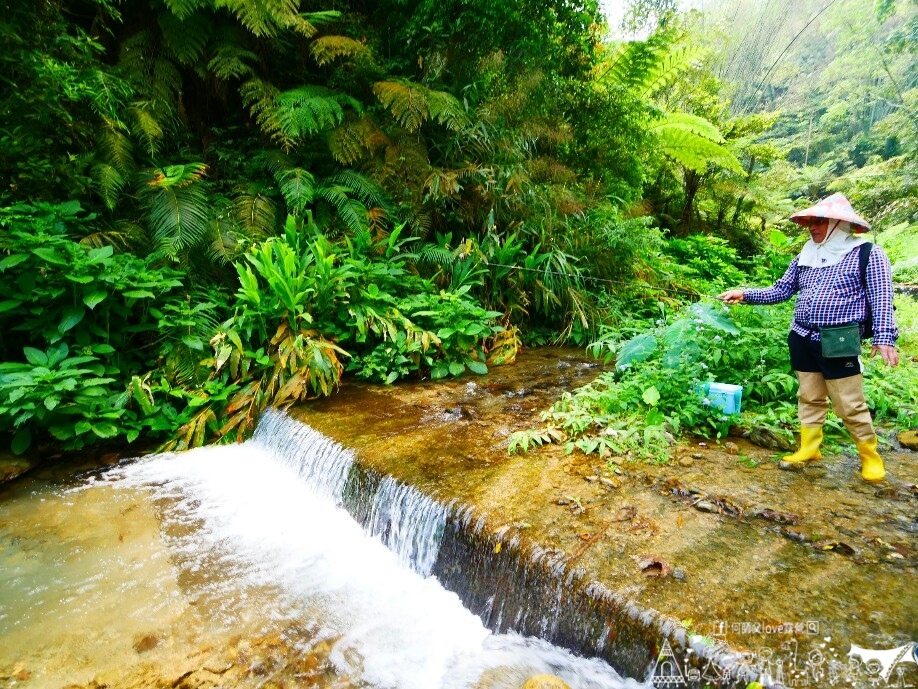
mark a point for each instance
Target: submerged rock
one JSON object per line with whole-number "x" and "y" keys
{"x": 545, "y": 682}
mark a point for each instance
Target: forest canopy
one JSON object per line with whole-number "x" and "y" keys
{"x": 212, "y": 206}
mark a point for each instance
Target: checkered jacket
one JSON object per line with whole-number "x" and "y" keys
{"x": 836, "y": 295}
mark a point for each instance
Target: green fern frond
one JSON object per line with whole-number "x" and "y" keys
{"x": 327, "y": 49}
{"x": 671, "y": 65}
{"x": 229, "y": 62}
{"x": 431, "y": 254}
{"x": 322, "y": 17}
{"x": 260, "y": 98}
{"x": 115, "y": 147}
{"x": 634, "y": 64}
{"x": 447, "y": 110}
{"x": 352, "y": 212}
{"x": 184, "y": 8}
{"x": 123, "y": 235}
{"x": 686, "y": 122}
{"x": 694, "y": 151}
{"x": 227, "y": 243}
{"x": 352, "y": 140}
{"x": 297, "y": 186}
{"x": 365, "y": 189}
{"x": 299, "y": 24}
{"x": 256, "y": 212}
{"x": 108, "y": 182}
{"x": 148, "y": 128}
{"x": 262, "y": 17}
{"x": 177, "y": 206}
{"x": 406, "y": 101}
{"x": 185, "y": 38}
{"x": 309, "y": 110}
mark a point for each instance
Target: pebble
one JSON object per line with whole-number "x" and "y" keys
{"x": 610, "y": 482}
{"x": 686, "y": 461}
{"x": 705, "y": 506}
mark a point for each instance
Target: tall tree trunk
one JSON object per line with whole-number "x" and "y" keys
{"x": 691, "y": 183}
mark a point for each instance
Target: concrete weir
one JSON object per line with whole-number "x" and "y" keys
{"x": 714, "y": 569}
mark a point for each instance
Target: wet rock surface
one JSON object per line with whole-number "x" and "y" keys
{"x": 718, "y": 539}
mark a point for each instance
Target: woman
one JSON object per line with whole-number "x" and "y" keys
{"x": 826, "y": 277}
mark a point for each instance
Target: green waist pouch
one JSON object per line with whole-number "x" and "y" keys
{"x": 840, "y": 340}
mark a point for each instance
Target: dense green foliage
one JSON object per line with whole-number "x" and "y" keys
{"x": 211, "y": 207}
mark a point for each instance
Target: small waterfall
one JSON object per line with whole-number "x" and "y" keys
{"x": 405, "y": 520}
{"x": 514, "y": 586}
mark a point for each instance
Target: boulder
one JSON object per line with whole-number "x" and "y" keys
{"x": 909, "y": 439}
{"x": 544, "y": 682}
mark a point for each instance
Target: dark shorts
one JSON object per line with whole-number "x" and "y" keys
{"x": 806, "y": 355}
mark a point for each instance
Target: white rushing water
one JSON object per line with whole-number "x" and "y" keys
{"x": 248, "y": 517}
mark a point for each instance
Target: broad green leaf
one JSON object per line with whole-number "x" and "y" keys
{"x": 103, "y": 349}
{"x": 12, "y": 260}
{"x": 93, "y": 299}
{"x": 72, "y": 316}
{"x": 636, "y": 349}
{"x": 9, "y": 304}
{"x": 651, "y": 396}
{"x": 50, "y": 255}
{"x": 104, "y": 429}
{"x": 35, "y": 357}
{"x": 456, "y": 368}
{"x": 714, "y": 316}
{"x": 139, "y": 294}
{"x": 477, "y": 366}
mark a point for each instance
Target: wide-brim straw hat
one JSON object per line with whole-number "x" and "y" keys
{"x": 834, "y": 207}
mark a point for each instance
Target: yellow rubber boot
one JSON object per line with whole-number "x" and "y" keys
{"x": 810, "y": 440}
{"x": 872, "y": 468}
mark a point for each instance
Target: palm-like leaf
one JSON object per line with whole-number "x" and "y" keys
{"x": 177, "y": 206}
{"x": 255, "y": 212}
{"x": 309, "y": 110}
{"x": 351, "y": 211}
{"x": 108, "y": 182}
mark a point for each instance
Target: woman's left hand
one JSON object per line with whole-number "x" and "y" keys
{"x": 889, "y": 353}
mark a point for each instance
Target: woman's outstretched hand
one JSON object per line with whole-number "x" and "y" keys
{"x": 731, "y": 296}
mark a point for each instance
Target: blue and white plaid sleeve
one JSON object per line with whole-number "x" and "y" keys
{"x": 782, "y": 290}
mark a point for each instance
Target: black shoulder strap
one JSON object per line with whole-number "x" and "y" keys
{"x": 864, "y": 258}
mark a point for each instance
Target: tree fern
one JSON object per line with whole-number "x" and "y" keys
{"x": 670, "y": 66}
{"x": 309, "y": 110}
{"x": 447, "y": 110}
{"x": 229, "y": 61}
{"x": 114, "y": 146}
{"x": 413, "y": 104}
{"x": 260, "y": 98}
{"x": 365, "y": 189}
{"x": 351, "y": 141}
{"x": 186, "y": 37}
{"x": 327, "y": 49}
{"x": 406, "y": 101}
